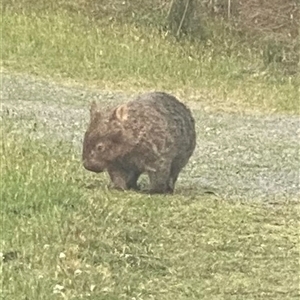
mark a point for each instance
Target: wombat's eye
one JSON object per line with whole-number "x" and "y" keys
{"x": 100, "y": 147}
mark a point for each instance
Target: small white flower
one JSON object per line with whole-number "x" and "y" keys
{"x": 92, "y": 287}
{"x": 62, "y": 255}
{"x": 77, "y": 272}
{"x": 58, "y": 289}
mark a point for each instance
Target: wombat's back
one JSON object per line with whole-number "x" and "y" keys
{"x": 169, "y": 119}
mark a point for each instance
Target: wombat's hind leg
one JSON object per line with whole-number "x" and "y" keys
{"x": 175, "y": 170}
{"x": 159, "y": 182}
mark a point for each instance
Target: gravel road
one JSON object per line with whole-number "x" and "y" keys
{"x": 246, "y": 157}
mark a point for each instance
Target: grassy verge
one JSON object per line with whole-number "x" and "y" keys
{"x": 62, "y": 237}
{"x": 223, "y": 73}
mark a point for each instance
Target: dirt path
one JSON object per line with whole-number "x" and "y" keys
{"x": 237, "y": 157}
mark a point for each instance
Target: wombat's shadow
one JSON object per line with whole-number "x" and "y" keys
{"x": 183, "y": 188}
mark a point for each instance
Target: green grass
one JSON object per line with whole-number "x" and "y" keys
{"x": 222, "y": 73}
{"x": 61, "y": 237}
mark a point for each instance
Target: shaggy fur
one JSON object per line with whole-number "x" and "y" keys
{"x": 155, "y": 133}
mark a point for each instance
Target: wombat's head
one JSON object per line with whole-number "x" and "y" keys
{"x": 105, "y": 139}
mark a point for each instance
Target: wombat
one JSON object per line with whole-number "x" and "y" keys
{"x": 154, "y": 133}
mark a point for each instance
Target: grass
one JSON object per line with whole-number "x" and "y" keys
{"x": 222, "y": 73}
{"x": 64, "y": 239}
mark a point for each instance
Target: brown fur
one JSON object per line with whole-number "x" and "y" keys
{"x": 155, "y": 133}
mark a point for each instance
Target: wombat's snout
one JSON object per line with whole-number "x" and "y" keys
{"x": 92, "y": 166}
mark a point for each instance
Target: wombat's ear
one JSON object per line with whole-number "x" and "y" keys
{"x": 121, "y": 113}
{"x": 94, "y": 110}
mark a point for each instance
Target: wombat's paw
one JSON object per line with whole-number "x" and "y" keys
{"x": 113, "y": 186}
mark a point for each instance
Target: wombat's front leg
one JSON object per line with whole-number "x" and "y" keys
{"x": 118, "y": 179}
{"x": 123, "y": 179}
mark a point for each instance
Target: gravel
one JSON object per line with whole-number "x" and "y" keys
{"x": 245, "y": 157}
